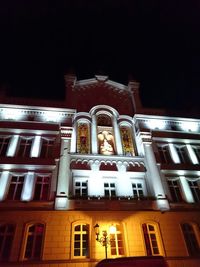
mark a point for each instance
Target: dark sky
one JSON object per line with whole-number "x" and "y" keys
{"x": 155, "y": 42}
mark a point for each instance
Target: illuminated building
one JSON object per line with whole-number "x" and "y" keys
{"x": 97, "y": 158}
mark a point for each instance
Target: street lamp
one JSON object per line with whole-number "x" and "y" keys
{"x": 104, "y": 240}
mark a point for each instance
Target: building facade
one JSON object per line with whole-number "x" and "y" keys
{"x": 97, "y": 175}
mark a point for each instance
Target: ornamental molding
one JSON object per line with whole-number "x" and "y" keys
{"x": 112, "y": 160}
{"x": 34, "y": 113}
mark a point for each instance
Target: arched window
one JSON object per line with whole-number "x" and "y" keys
{"x": 34, "y": 242}
{"x": 127, "y": 141}
{"x": 105, "y": 134}
{"x": 6, "y": 239}
{"x": 83, "y": 138}
{"x": 80, "y": 236}
{"x": 151, "y": 238}
{"x": 192, "y": 243}
{"x": 116, "y": 242}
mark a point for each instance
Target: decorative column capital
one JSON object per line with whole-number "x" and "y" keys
{"x": 66, "y": 132}
{"x": 146, "y": 137}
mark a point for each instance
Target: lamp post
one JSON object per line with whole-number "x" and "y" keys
{"x": 104, "y": 240}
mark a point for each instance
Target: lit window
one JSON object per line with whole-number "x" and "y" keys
{"x": 24, "y": 147}
{"x": 81, "y": 188}
{"x": 83, "y": 138}
{"x": 183, "y": 154}
{"x": 15, "y": 188}
{"x": 195, "y": 188}
{"x": 47, "y": 148}
{"x": 6, "y": 239}
{"x": 190, "y": 239}
{"x": 4, "y": 142}
{"x": 34, "y": 240}
{"x": 164, "y": 154}
{"x": 116, "y": 242}
{"x": 137, "y": 190}
{"x": 109, "y": 189}
{"x": 174, "y": 187}
{"x": 42, "y": 187}
{"x": 151, "y": 239}
{"x": 81, "y": 240}
{"x": 127, "y": 142}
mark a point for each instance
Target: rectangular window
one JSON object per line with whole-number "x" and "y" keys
{"x": 47, "y": 148}
{"x": 197, "y": 152}
{"x": 137, "y": 190}
{"x": 42, "y": 187}
{"x": 24, "y": 147}
{"x": 6, "y": 239}
{"x": 15, "y": 188}
{"x": 183, "y": 154}
{"x": 195, "y": 188}
{"x": 190, "y": 239}
{"x": 175, "y": 191}
{"x": 4, "y": 142}
{"x": 81, "y": 188}
{"x": 109, "y": 189}
{"x": 164, "y": 154}
{"x": 81, "y": 240}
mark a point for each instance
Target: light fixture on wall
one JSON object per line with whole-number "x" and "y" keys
{"x": 104, "y": 239}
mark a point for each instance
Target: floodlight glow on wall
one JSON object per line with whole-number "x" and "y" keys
{"x": 156, "y": 124}
{"x": 190, "y": 126}
{"x": 12, "y": 114}
{"x": 104, "y": 240}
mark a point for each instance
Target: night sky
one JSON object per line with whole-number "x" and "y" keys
{"x": 154, "y": 42}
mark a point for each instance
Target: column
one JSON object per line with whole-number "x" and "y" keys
{"x": 154, "y": 178}
{"x": 28, "y": 187}
{"x": 4, "y": 181}
{"x": 174, "y": 154}
{"x": 154, "y": 175}
{"x": 94, "y": 135}
{"x": 36, "y": 146}
{"x": 118, "y": 141}
{"x": 64, "y": 175}
{"x": 73, "y": 140}
{"x": 186, "y": 190}
{"x": 12, "y": 146}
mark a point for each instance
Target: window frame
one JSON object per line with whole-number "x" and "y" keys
{"x": 175, "y": 192}
{"x": 5, "y": 235}
{"x": 43, "y": 183}
{"x": 4, "y": 145}
{"x": 81, "y": 187}
{"x": 157, "y": 234}
{"x": 115, "y": 241}
{"x": 17, "y": 184}
{"x": 25, "y": 240}
{"x": 81, "y": 233}
{"x": 26, "y": 151}
{"x": 164, "y": 153}
{"x": 188, "y": 240}
{"x": 47, "y": 147}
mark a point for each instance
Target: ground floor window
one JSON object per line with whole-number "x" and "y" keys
{"x": 6, "y": 238}
{"x": 34, "y": 241}
{"x": 81, "y": 240}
